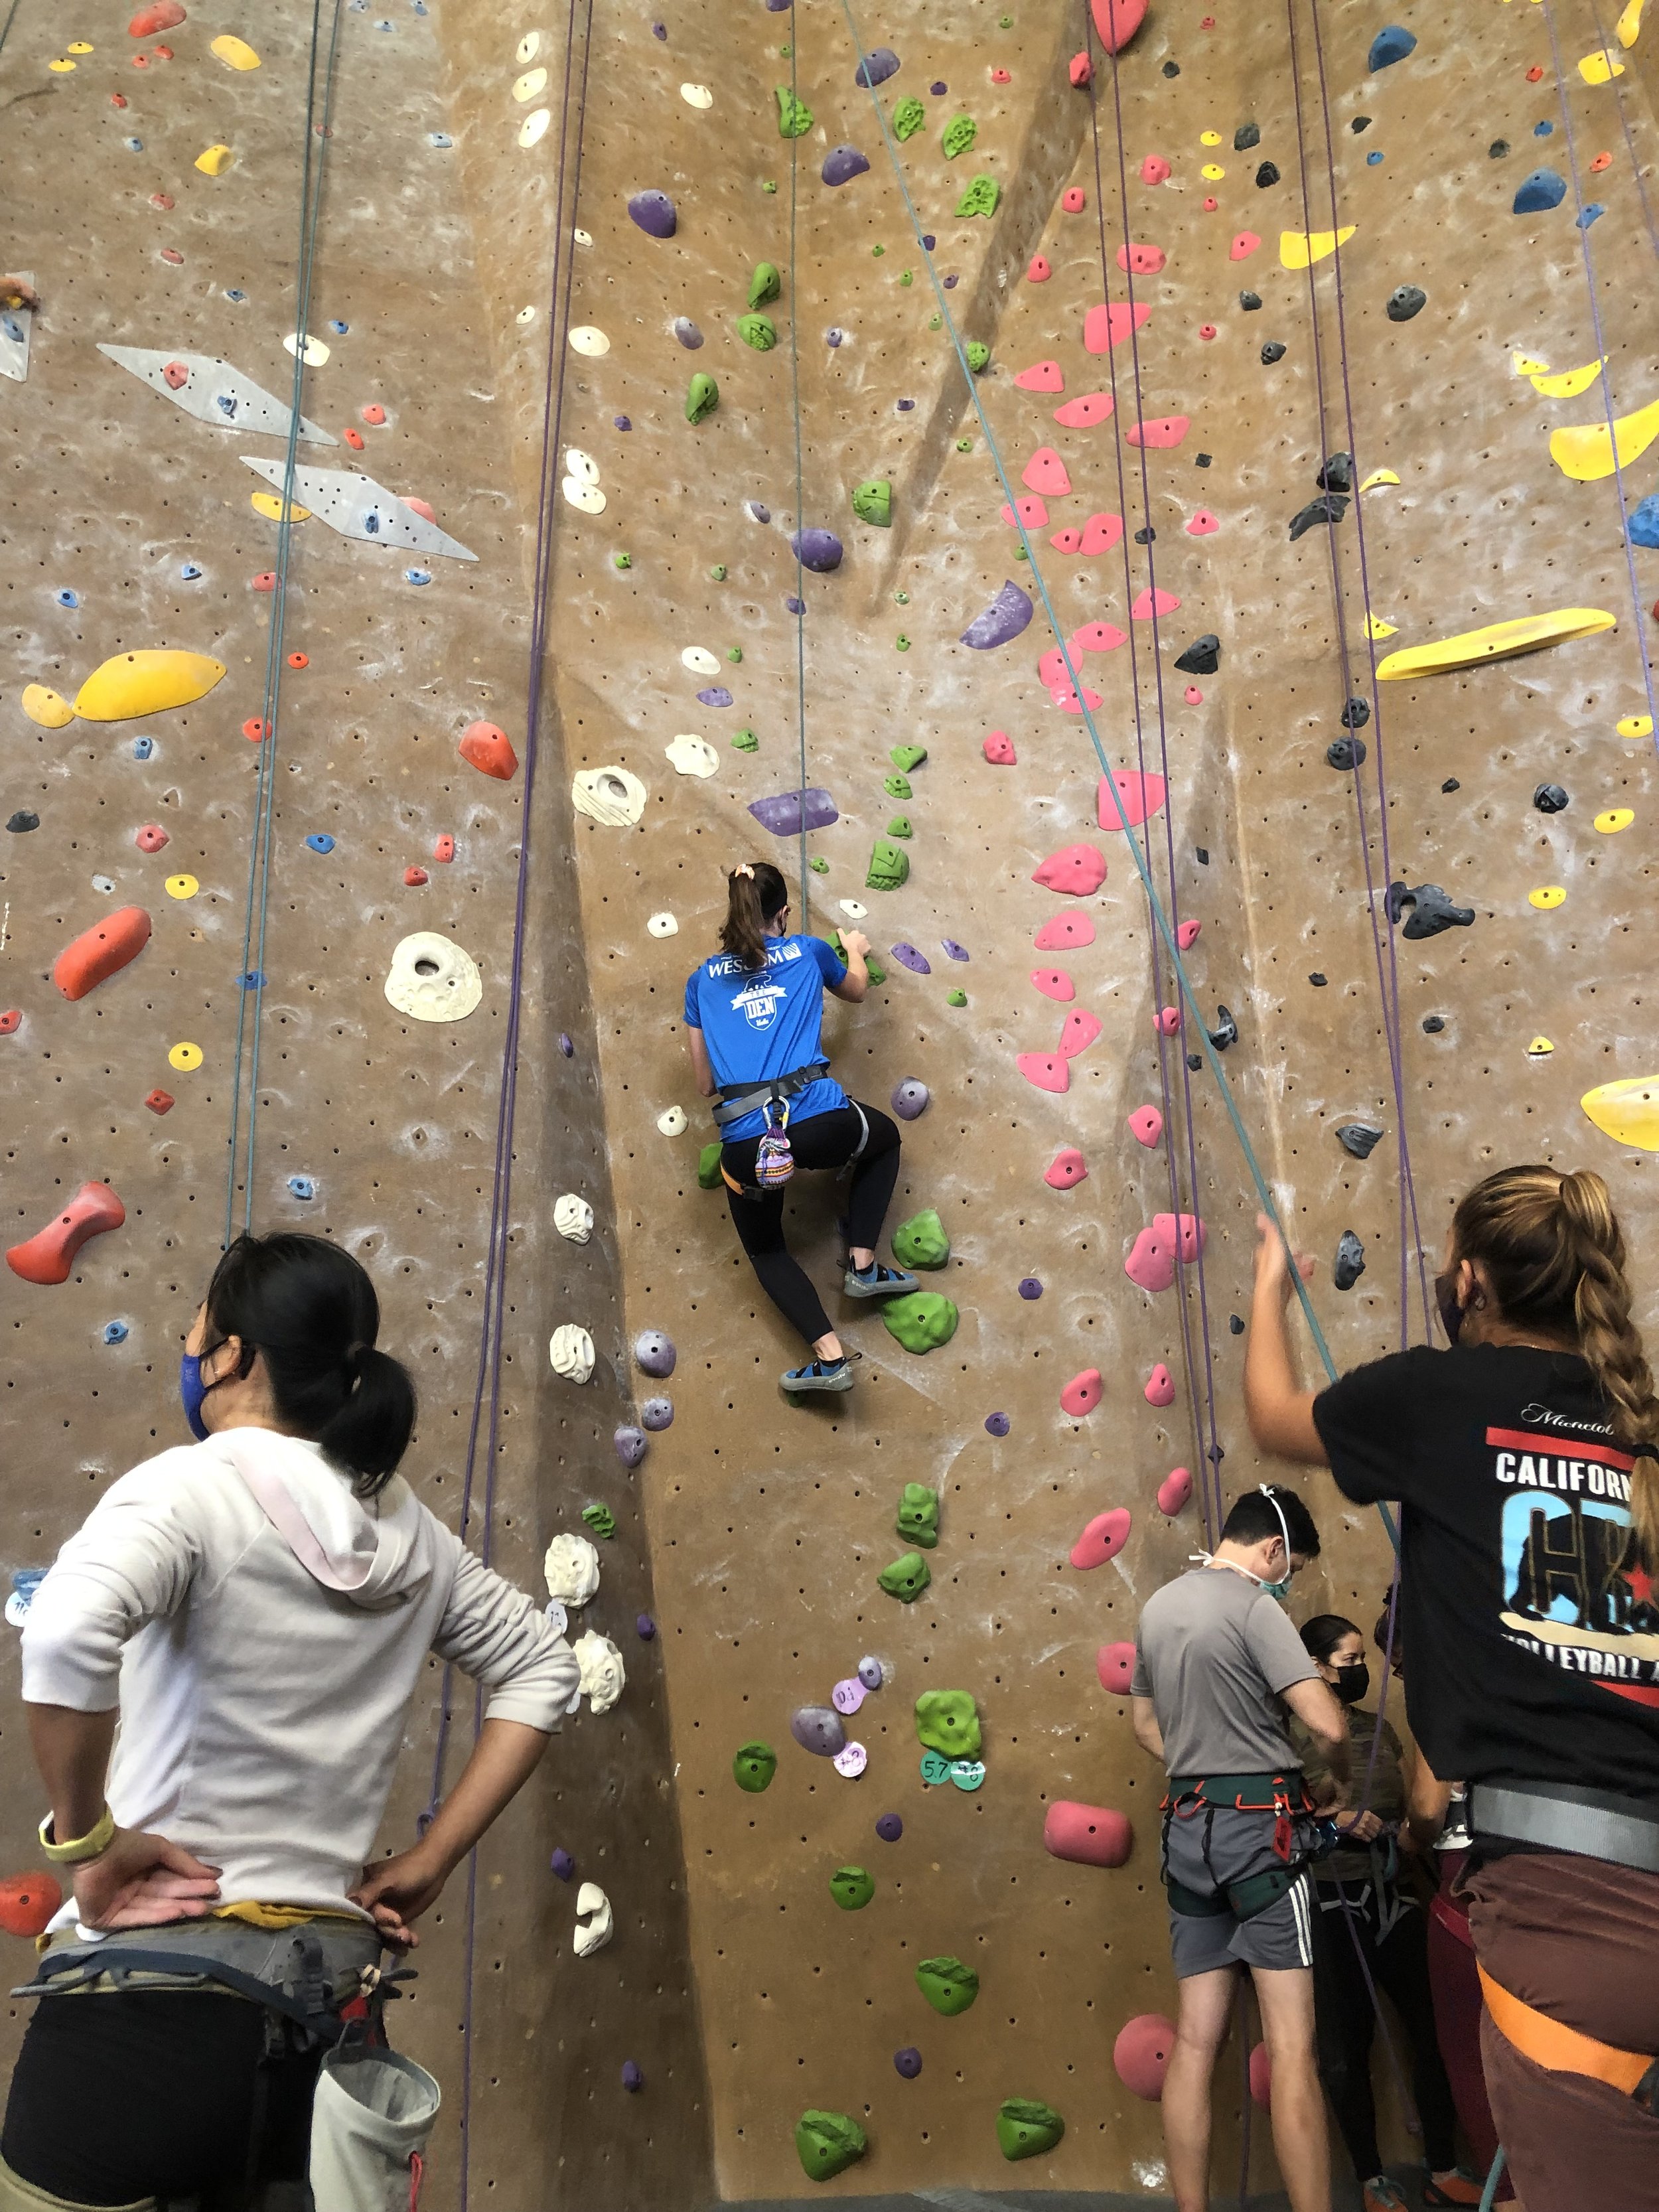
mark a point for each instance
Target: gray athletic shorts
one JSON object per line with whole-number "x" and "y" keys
{"x": 1241, "y": 1843}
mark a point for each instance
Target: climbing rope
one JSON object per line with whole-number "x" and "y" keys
{"x": 1603, "y": 46}
{"x": 803, "y": 915}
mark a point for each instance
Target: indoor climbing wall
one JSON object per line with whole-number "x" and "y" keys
{"x": 1155, "y": 514}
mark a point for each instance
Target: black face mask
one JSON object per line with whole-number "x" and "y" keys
{"x": 1445, "y": 1297}
{"x": 1352, "y": 1682}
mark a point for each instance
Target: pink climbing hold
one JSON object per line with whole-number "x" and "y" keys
{"x": 1073, "y": 200}
{"x": 1067, "y": 1170}
{"x": 1047, "y": 1070}
{"x": 1244, "y": 245}
{"x": 1051, "y": 669}
{"x": 1140, "y": 260}
{"x": 1187, "y": 934}
{"x": 1116, "y": 21}
{"x": 1108, "y": 1533}
{"x": 444, "y": 849}
{"x": 1167, "y": 1020}
{"x": 1054, "y": 983}
{"x": 175, "y": 375}
{"x": 1042, "y": 376}
{"x": 999, "y": 750}
{"x": 265, "y": 581}
{"x": 1154, "y": 170}
{"x": 1142, "y": 2053}
{"x": 1066, "y": 541}
{"x": 373, "y": 414}
{"x": 1152, "y": 1261}
{"x": 1101, "y": 532}
{"x": 1166, "y": 430}
{"x": 1261, "y": 2077}
{"x": 1069, "y": 703}
{"x": 1065, "y": 931}
{"x": 1040, "y": 270}
{"x": 1202, "y": 524}
{"x": 150, "y": 838}
{"x": 1046, "y": 472}
{"x": 1192, "y": 696}
{"x": 1114, "y": 1663}
{"x": 1081, "y": 1030}
{"x": 1029, "y": 509}
{"x": 1083, "y": 412}
{"x": 49, "y": 1254}
{"x": 1076, "y": 870}
{"x": 1173, "y": 1491}
{"x": 1105, "y": 327}
{"x": 1081, "y": 69}
{"x": 424, "y": 507}
{"x": 11, "y": 1021}
{"x": 1136, "y": 796}
{"x": 1146, "y": 1124}
{"x": 1091, "y": 1835}
{"x": 1153, "y": 601}
{"x": 1160, "y": 1387}
{"x": 1099, "y": 637}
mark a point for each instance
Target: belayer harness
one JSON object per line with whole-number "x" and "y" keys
{"x": 1186, "y": 1799}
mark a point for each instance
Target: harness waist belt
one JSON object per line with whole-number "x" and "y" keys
{"x": 734, "y": 1104}
{"x": 1562, "y": 2050}
{"x": 1241, "y": 1793}
{"x": 1590, "y": 1823}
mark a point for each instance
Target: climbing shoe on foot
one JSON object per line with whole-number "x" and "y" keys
{"x": 876, "y": 1281}
{"x": 1459, "y": 2187}
{"x": 819, "y": 1375}
{"x": 1382, "y": 2195}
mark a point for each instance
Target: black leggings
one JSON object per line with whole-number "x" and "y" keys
{"x": 1344, "y": 2019}
{"x": 155, "y": 2093}
{"x": 825, "y": 1140}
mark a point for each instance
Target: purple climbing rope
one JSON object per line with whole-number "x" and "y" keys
{"x": 1630, "y": 143}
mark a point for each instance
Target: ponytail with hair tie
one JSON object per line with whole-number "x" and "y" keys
{"x": 756, "y": 893}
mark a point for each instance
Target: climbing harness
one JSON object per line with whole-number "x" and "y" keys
{"x": 1559, "y": 2048}
{"x": 1285, "y": 1796}
{"x": 1563, "y": 1817}
{"x": 735, "y": 1103}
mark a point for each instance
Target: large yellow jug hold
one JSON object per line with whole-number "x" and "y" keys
{"x": 146, "y": 682}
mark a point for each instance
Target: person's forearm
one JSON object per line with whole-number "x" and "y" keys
{"x": 503, "y": 1759}
{"x": 1270, "y": 1377}
{"x": 71, "y": 1749}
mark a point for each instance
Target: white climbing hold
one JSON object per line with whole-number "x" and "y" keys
{"x": 582, "y": 237}
{"x": 581, "y": 465}
{"x": 588, "y": 339}
{"x": 529, "y": 47}
{"x": 594, "y": 1927}
{"x": 431, "y": 979}
{"x": 852, "y": 910}
{"x": 610, "y": 795}
{"x": 587, "y": 498}
{"x": 602, "y": 1676}
{"x": 696, "y": 95}
{"x": 572, "y": 1568}
{"x": 663, "y": 925}
{"x": 672, "y": 1121}
{"x": 534, "y": 128}
{"x": 699, "y": 659}
{"x": 525, "y": 315}
{"x": 573, "y": 1218}
{"x": 693, "y": 755}
{"x": 315, "y": 354}
{"x": 530, "y": 85}
{"x": 571, "y": 1352}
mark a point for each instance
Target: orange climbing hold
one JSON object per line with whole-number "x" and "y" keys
{"x": 1067, "y": 1168}
{"x": 101, "y": 952}
{"x": 48, "y": 1256}
{"x": 1085, "y": 412}
{"x": 445, "y": 848}
{"x": 489, "y": 750}
{"x": 1107, "y": 327}
{"x": 159, "y": 1102}
{"x": 161, "y": 16}
{"x": 11, "y": 1021}
{"x": 1042, "y": 376}
{"x": 1165, "y": 430}
{"x": 27, "y": 1902}
{"x": 373, "y": 414}
{"x": 150, "y": 838}
{"x": 255, "y": 730}
{"x": 355, "y": 438}
{"x": 1141, "y": 260}
{"x": 414, "y": 877}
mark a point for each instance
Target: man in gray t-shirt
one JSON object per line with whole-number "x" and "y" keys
{"x": 1218, "y": 1665}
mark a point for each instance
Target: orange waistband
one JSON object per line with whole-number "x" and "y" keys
{"x": 1560, "y": 2049}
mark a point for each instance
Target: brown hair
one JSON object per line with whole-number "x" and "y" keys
{"x": 1554, "y": 1256}
{"x": 755, "y": 893}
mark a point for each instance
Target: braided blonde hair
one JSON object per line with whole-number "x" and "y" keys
{"x": 1554, "y": 1254}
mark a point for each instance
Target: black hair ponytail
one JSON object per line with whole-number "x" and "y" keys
{"x": 311, "y": 1310}
{"x": 1322, "y": 1635}
{"x": 754, "y": 894}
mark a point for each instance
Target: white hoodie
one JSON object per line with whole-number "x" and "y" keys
{"x": 264, "y": 1654}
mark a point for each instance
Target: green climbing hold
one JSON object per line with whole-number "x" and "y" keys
{"x": 921, "y": 1242}
{"x": 753, "y": 1766}
{"x": 757, "y": 331}
{"x": 708, "y": 1166}
{"x": 948, "y": 1985}
{"x": 901, "y": 598}
{"x": 981, "y": 197}
{"x": 717, "y": 574}
{"x": 872, "y": 967}
{"x": 979, "y": 356}
{"x": 918, "y": 1516}
{"x": 908, "y": 118}
{"x": 888, "y": 867}
{"x": 819, "y": 867}
{"x": 1020, "y": 554}
{"x": 936, "y": 322}
{"x": 770, "y": 186}
{"x": 702, "y": 397}
{"x": 946, "y": 1722}
{"x": 896, "y": 787}
{"x": 907, "y": 1578}
{"x": 901, "y": 643}
{"x": 921, "y": 1320}
{"x": 852, "y": 1889}
{"x": 828, "y": 2143}
{"x": 600, "y": 1519}
{"x": 746, "y": 742}
{"x": 900, "y": 827}
{"x": 965, "y": 445}
{"x": 959, "y": 135}
{"x": 908, "y": 756}
{"x": 873, "y": 502}
{"x": 1026, "y": 2127}
{"x": 764, "y": 285}
{"x": 956, "y": 998}
{"x": 734, "y": 653}
{"x": 907, "y": 278}
{"x": 622, "y": 560}
{"x": 794, "y": 116}
{"x": 876, "y": 253}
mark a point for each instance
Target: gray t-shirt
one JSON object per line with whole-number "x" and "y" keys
{"x": 1213, "y": 1654}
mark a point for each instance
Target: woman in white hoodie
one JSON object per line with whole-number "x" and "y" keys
{"x": 256, "y": 1609}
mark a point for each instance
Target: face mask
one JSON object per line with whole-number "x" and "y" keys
{"x": 1352, "y": 1682}
{"x": 1281, "y": 1589}
{"x": 1445, "y": 1297}
{"x": 193, "y": 1390}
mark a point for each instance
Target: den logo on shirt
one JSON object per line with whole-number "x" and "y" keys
{"x": 1574, "y": 1592}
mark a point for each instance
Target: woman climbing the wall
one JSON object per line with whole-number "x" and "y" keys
{"x": 754, "y": 1017}
{"x": 255, "y": 1609}
{"x": 1526, "y": 1459}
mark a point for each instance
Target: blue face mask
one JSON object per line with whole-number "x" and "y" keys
{"x": 192, "y": 1391}
{"x": 1281, "y": 1589}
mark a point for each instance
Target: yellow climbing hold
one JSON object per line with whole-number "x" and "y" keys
{"x": 1550, "y": 895}
{"x": 146, "y": 682}
{"x": 1612, "y": 819}
{"x": 61, "y": 68}
{"x": 1498, "y": 642}
{"x": 78, "y": 46}
{"x": 1571, "y": 381}
{"x": 1628, "y": 1112}
{"x": 1633, "y": 725}
{"x": 1379, "y": 476}
{"x": 268, "y": 504}
{"x": 1630, "y": 22}
{"x": 1524, "y": 365}
{"x": 234, "y": 53}
{"x": 43, "y": 705}
{"x": 1539, "y": 1046}
{"x": 185, "y": 1057}
{"x": 1376, "y": 627}
{"x": 213, "y": 160}
{"x": 1586, "y": 454}
{"x": 1209, "y": 137}
{"x": 1212, "y": 172}
{"x": 182, "y": 887}
{"x": 1600, "y": 67}
{"x": 1300, "y": 249}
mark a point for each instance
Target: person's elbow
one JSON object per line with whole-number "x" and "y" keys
{"x": 851, "y": 989}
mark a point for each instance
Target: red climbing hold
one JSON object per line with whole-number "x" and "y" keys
{"x": 11, "y": 1021}
{"x": 1534, "y": 75}
{"x": 414, "y": 877}
{"x": 1081, "y": 1030}
{"x": 265, "y": 581}
{"x": 1151, "y": 603}
{"x": 1146, "y": 1124}
{"x": 489, "y": 750}
{"x": 48, "y": 1256}
{"x": 175, "y": 375}
{"x": 1154, "y": 170}
{"x": 1116, "y": 21}
{"x": 1047, "y": 1070}
{"x": 117, "y": 100}
{"x": 999, "y": 750}
{"x": 1167, "y": 1020}
{"x": 1000, "y": 77}
{"x": 1105, "y": 327}
{"x": 1100, "y": 533}
{"x": 1108, "y": 1533}
{"x": 1114, "y": 1663}
{"x": 1141, "y": 260}
{"x": 1187, "y": 934}
{"x": 373, "y": 414}
{"x": 1054, "y": 983}
{"x": 1202, "y": 524}
{"x": 1077, "y": 869}
{"x": 175, "y": 260}
{"x": 1173, "y": 1491}
{"x": 1602, "y": 162}
{"x": 1165, "y": 430}
{"x": 27, "y": 1902}
{"x": 1081, "y": 69}
{"x": 1244, "y": 245}
{"x": 1045, "y": 473}
{"x": 1083, "y": 412}
{"x": 1065, "y": 541}
{"x": 1142, "y": 2053}
{"x": 159, "y": 1102}
{"x": 1160, "y": 1387}
{"x": 1042, "y": 376}
{"x": 101, "y": 952}
{"x": 150, "y": 838}
{"x": 1066, "y": 1170}
{"x": 1073, "y": 200}
{"x": 1153, "y": 1257}
{"x": 356, "y": 440}
{"x": 1090, "y": 1835}
{"x": 1040, "y": 270}
{"x": 1138, "y": 796}
{"x": 299, "y": 660}
{"x": 161, "y": 16}
{"x": 1030, "y": 511}
{"x": 1065, "y": 931}
{"x": 1206, "y": 331}
{"x": 445, "y": 848}
{"x": 255, "y": 730}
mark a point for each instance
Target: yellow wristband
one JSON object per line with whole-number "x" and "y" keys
{"x": 98, "y": 1838}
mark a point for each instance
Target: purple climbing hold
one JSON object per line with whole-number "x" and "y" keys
{"x": 630, "y": 1446}
{"x": 794, "y": 606}
{"x": 621, "y": 423}
{"x": 939, "y": 90}
{"x": 909, "y": 1098}
{"x": 562, "y": 1864}
{"x": 841, "y": 164}
{"x": 905, "y": 406}
{"x": 657, "y": 1412}
{"x": 908, "y": 2061}
{"x": 565, "y": 1045}
{"x": 654, "y": 1353}
{"x": 928, "y": 241}
{"x": 644, "y": 1627}
{"x": 1002, "y": 622}
{"x": 786, "y": 813}
{"x": 951, "y": 284}
{"x": 715, "y": 696}
{"x": 687, "y": 332}
{"x": 954, "y": 950}
{"x": 757, "y": 512}
{"x": 996, "y": 1424}
{"x": 817, "y": 1728}
{"x": 660, "y": 30}
{"x": 875, "y": 69}
{"x": 907, "y": 956}
{"x": 869, "y": 1672}
{"x": 655, "y": 214}
{"x": 779, "y": 7}
{"x": 632, "y": 2078}
{"x": 820, "y": 550}
{"x": 1030, "y": 1287}
{"x": 889, "y": 1827}
{"x": 834, "y": 337}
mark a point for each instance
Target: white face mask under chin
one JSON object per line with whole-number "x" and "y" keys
{"x": 1281, "y": 1589}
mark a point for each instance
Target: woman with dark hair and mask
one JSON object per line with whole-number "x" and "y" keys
{"x": 1526, "y": 1461}
{"x": 255, "y": 1610}
{"x": 754, "y": 1021}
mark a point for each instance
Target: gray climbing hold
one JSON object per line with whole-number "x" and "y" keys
{"x": 841, "y": 164}
{"x": 23, "y": 820}
{"x": 1273, "y": 351}
{"x": 1266, "y": 174}
{"x": 1225, "y": 1032}
{"x": 817, "y": 1728}
{"x": 1405, "y": 301}
{"x": 820, "y": 550}
{"x": 1549, "y": 798}
{"x": 655, "y": 214}
{"x": 630, "y": 1443}
{"x": 1543, "y": 189}
{"x": 1202, "y": 657}
{"x": 688, "y": 333}
{"x": 1345, "y": 753}
{"x": 786, "y": 813}
{"x": 876, "y": 67}
{"x": 1391, "y": 45}
{"x": 1337, "y": 475}
{"x": 1003, "y": 621}
{"x": 1359, "y": 1138}
{"x": 1433, "y": 1025}
{"x": 869, "y": 1672}
{"x": 653, "y": 1353}
{"x": 1329, "y": 507}
{"x": 1356, "y": 713}
{"x": 1249, "y": 302}
{"x": 910, "y": 1099}
{"x": 1350, "y": 1260}
{"x": 1245, "y": 136}
{"x": 1431, "y": 911}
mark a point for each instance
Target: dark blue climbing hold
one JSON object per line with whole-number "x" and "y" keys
{"x": 189, "y": 572}
{"x": 417, "y": 575}
{"x": 115, "y": 1332}
{"x": 889, "y": 1827}
{"x": 876, "y": 67}
{"x": 339, "y": 329}
{"x": 1388, "y": 46}
{"x": 794, "y": 607}
{"x": 566, "y": 1045}
{"x": 1644, "y": 522}
{"x": 905, "y": 406}
{"x": 1235, "y": 1324}
{"x": 1587, "y": 215}
{"x": 644, "y": 1627}
{"x": 226, "y": 404}
{"x": 320, "y": 841}
{"x": 660, "y": 30}
{"x": 841, "y": 164}
{"x": 135, "y": 145}
{"x": 940, "y": 89}
{"x": 372, "y": 523}
{"x": 778, "y": 7}
{"x": 908, "y": 2061}
{"x": 67, "y": 598}
{"x": 234, "y": 295}
{"x": 655, "y": 214}
{"x": 143, "y": 748}
{"x": 252, "y": 980}
{"x": 562, "y": 1864}
{"x": 302, "y": 1186}
{"x": 996, "y": 1424}
{"x": 715, "y": 696}
{"x": 820, "y": 550}
{"x": 1543, "y": 130}
{"x": 951, "y": 284}
{"x": 621, "y": 423}
{"x": 632, "y": 2079}
{"x": 869, "y": 1672}
{"x": 1543, "y": 189}
{"x": 1030, "y": 1287}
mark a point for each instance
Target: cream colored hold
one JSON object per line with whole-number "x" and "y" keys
{"x": 573, "y": 1218}
{"x": 571, "y": 1566}
{"x": 570, "y": 1353}
{"x": 431, "y": 979}
{"x": 603, "y": 1675}
{"x": 693, "y": 755}
{"x": 610, "y": 795}
{"x": 594, "y": 1926}
{"x": 672, "y": 1122}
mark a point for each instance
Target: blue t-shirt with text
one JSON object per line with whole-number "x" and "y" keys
{"x": 759, "y": 1024}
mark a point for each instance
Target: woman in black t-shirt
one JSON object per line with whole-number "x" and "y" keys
{"x": 1526, "y": 1460}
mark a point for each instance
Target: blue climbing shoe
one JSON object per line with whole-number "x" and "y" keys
{"x": 819, "y": 1375}
{"x": 876, "y": 1281}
